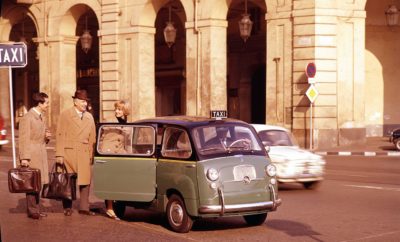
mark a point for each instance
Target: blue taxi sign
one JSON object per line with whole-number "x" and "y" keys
{"x": 218, "y": 114}
{"x": 13, "y": 55}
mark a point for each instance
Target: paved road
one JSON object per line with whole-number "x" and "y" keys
{"x": 358, "y": 201}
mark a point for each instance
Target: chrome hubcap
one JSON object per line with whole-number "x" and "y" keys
{"x": 176, "y": 214}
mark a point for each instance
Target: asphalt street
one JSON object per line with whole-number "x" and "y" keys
{"x": 358, "y": 201}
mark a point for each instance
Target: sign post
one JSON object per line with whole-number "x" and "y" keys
{"x": 13, "y": 56}
{"x": 312, "y": 94}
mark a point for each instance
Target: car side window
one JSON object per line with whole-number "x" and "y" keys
{"x": 126, "y": 140}
{"x": 176, "y": 144}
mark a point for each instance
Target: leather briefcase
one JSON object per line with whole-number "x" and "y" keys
{"x": 24, "y": 180}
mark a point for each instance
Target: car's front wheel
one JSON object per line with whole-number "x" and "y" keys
{"x": 177, "y": 216}
{"x": 119, "y": 208}
{"x": 397, "y": 144}
{"x": 255, "y": 220}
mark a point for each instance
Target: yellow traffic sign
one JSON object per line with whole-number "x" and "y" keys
{"x": 312, "y": 93}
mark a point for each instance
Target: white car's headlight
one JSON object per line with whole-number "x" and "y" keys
{"x": 270, "y": 170}
{"x": 212, "y": 174}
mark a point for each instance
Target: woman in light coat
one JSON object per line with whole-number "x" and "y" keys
{"x": 121, "y": 113}
{"x": 33, "y": 136}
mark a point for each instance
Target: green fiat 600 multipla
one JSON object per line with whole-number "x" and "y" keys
{"x": 186, "y": 167}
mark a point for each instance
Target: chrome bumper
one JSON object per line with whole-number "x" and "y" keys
{"x": 245, "y": 207}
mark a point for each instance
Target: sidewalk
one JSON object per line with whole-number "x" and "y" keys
{"x": 374, "y": 146}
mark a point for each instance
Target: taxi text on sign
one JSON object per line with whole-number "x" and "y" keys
{"x": 218, "y": 114}
{"x": 13, "y": 55}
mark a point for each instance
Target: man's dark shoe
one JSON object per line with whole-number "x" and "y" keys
{"x": 34, "y": 216}
{"x": 68, "y": 212}
{"x": 42, "y": 215}
{"x": 86, "y": 212}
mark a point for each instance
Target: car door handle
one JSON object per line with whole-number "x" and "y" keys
{"x": 190, "y": 166}
{"x": 100, "y": 161}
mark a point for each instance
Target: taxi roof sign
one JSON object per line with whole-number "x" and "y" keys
{"x": 218, "y": 114}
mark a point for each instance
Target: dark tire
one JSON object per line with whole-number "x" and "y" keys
{"x": 397, "y": 144}
{"x": 119, "y": 208}
{"x": 255, "y": 220}
{"x": 177, "y": 216}
{"x": 311, "y": 185}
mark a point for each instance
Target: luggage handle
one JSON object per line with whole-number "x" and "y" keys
{"x": 62, "y": 166}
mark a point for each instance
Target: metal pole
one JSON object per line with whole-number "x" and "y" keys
{"x": 311, "y": 125}
{"x": 12, "y": 116}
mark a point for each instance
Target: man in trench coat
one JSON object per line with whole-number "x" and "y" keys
{"x": 75, "y": 139}
{"x": 33, "y": 136}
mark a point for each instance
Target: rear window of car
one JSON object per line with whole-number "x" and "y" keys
{"x": 126, "y": 140}
{"x": 276, "y": 138}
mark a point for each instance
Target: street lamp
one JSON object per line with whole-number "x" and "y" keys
{"x": 392, "y": 15}
{"x": 245, "y": 24}
{"x": 169, "y": 30}
{"x": 86, "y": 39}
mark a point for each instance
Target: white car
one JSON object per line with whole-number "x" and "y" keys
{"x": 293, "y": 163}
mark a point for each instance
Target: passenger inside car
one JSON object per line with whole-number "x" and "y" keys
{"x": 112, "y": 140}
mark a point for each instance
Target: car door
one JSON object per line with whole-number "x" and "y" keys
{"x": 125, "y": 164}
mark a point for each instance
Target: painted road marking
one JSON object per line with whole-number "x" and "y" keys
{"x": 376, "y": 188}
{"x": 372, "y": 236}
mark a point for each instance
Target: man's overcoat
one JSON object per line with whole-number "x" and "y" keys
{"x": 75, "y": 139}
{"x": 32, "y": 143}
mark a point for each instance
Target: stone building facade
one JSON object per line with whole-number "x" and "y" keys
{"x": 209, "y": 67}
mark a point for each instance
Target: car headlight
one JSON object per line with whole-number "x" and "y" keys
{"x": 270, "y": 170}
{"x": 3, "y": 132}
{"x": 212, "y": 174}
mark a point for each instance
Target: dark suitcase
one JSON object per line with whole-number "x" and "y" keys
{"x": 24, "y": 180}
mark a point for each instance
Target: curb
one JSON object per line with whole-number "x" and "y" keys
{"x": 359, "y": 153}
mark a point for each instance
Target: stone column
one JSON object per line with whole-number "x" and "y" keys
{"x": 110, "y": 69}
{"x": 279, "y": 90}
{"x": 45, "y": 70}
{"x": 137, "y": 70}
{"x": 192, "y": 68}
{"x": 58, "y": 66}
{"x": 315, "y": 40}
{"x": 4, "y": 96}
{"x": 351, "y": 77}
{"x": 213, "y": 66}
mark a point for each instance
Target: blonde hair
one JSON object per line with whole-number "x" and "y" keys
{"x": 123, "y": 105}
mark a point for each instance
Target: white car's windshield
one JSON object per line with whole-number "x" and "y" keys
{"x": 276, "y": 138}
{"x": 224, "y": 138}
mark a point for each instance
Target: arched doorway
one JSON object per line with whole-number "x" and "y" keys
{"x": 25, "y": 80}
{"x": 170, "y": 62}
{"x": 87, "y": 60}
{"x": 243, "y": 81}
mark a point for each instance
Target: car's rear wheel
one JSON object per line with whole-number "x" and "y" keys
{"x": 256, "y": 219}
{"x": 397, "y": 143}
{"x": 177, "y": 215}
{"x": 311, "y": 185}
{"x": 119, "y": 208}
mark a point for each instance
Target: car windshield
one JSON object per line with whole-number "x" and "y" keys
{"x": 276, "y": 138}
{"x": 225, "y": 138}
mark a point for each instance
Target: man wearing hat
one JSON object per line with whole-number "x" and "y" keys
{"x": 75, "y": 139}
